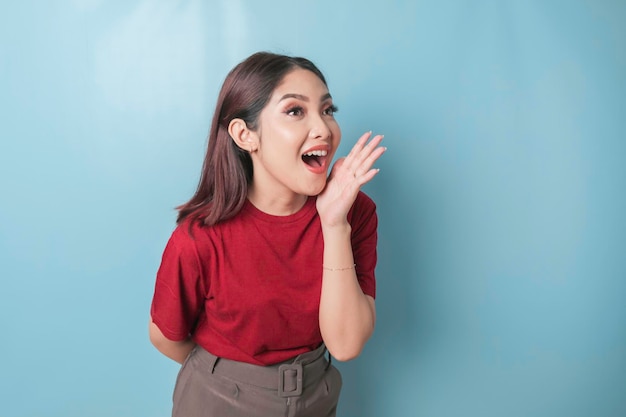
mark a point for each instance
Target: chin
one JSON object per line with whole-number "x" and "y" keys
{"x": 316, "y": 190}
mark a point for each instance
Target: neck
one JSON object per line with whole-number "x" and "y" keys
{"x": 276, "y": 205}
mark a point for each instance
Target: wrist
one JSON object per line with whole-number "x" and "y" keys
{"x": 338, "y": 229}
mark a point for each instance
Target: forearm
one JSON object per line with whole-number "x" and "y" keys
{"x": 347, "y": 316}
{"x": 175, "y": 350}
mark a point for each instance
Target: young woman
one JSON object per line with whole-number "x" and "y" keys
{"x": 273, "y": 259}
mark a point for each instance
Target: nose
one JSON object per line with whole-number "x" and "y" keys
{"x": 319, "y": 129}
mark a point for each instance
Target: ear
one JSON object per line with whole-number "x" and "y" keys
{"x": 243, "y": 137}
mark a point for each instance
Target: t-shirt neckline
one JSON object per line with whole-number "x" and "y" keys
{"x": 306, "y": 209}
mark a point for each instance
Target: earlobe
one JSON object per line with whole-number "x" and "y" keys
{"x": 242, "y": 135}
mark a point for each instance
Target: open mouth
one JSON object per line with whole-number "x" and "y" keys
{"x": 315, "y": 159}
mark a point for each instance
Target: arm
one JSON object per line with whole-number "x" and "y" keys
{"x": 176, "y": 350}
{"x": 179, "y": 294}
{"x": 347, "y": 315}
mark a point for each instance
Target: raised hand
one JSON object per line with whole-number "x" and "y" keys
{"x": 346, "y": 178}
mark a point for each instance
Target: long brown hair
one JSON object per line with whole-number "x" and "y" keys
{"x": 227, "y": 169}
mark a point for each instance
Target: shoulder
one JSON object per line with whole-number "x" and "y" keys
{"x": 186, "y": 237}
{"x": 190, "y": 246}
{"x": 362, "y": 215}
{"x": 364, "y": 201}
{"x": 185, "y": 233}
{"x": 363, "y": 206}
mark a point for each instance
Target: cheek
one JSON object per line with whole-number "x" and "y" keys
{"x": 276, "y": 141}
{"x": 336, "y": 133}
{"x": 337, "y": 138}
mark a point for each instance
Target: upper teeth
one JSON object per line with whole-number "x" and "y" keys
{"x": 316, "y": 153}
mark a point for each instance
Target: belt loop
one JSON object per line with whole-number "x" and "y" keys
{"x": 290, "y": 380}
{"x": 212, "y": 362}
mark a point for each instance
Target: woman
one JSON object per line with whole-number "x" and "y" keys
{"x": 273, "y": 260}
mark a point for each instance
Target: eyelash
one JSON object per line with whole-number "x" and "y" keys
{"x": 330, "y": 110}
{"x": 294, "y": 109}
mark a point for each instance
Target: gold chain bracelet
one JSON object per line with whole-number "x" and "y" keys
{"x": 339, "y": 269}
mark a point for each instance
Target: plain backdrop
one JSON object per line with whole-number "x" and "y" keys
{"x": 502, "y": 264}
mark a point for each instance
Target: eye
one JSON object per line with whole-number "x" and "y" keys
{"x": 331, "y": 110}
{"x": 295, "y": 111}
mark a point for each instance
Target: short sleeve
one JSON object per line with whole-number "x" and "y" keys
{"x": 364, "y": 223}
{"x": 179, "y": 291}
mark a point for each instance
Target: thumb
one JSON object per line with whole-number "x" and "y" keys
{"x": 337, "y": 165}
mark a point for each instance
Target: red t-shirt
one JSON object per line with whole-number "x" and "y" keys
{"x": 248, "y": 289}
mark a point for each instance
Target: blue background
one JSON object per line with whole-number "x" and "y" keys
{"x": 502, "y": 272}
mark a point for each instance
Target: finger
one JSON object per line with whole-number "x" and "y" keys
{"x": 368, "y": 176}
{"x": 365, "y": 156}
{"x": 368, "y": 162}
{"x": 370, "y": 147}
{"x": 360, "y": 143}
{"x": 361, "y": 151}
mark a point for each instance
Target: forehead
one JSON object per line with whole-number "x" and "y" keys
{"x": 300, "y": 82}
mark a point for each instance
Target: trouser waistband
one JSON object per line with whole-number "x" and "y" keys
{"x": 288, "y": 378}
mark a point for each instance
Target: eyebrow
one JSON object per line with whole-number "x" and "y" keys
{"x": 303, "y": 97}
